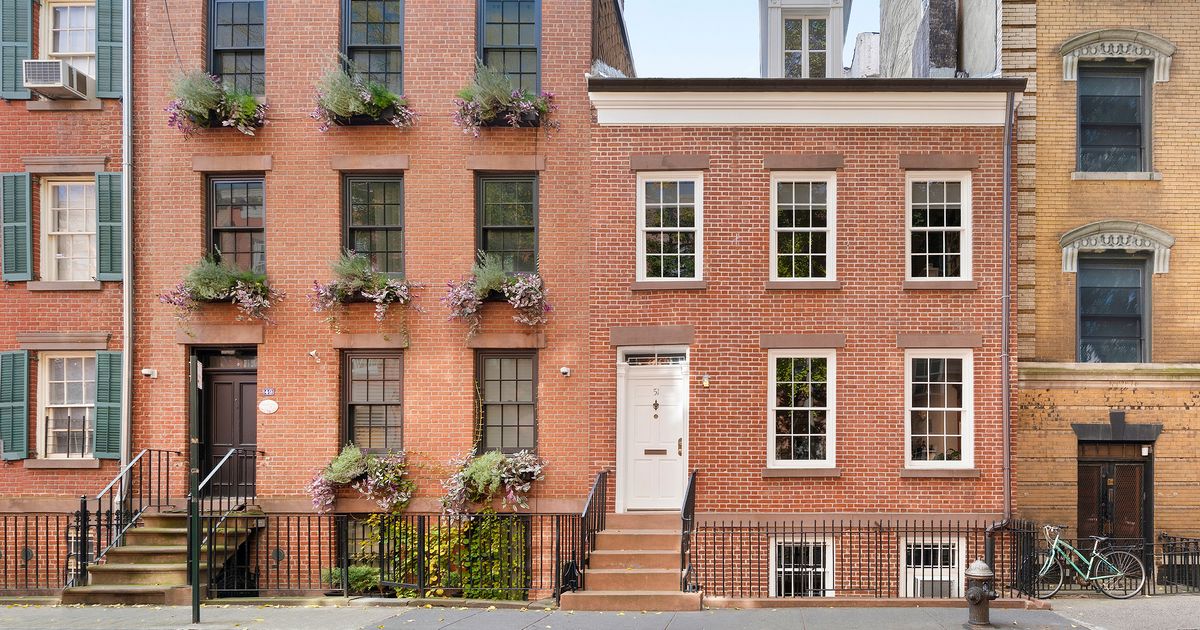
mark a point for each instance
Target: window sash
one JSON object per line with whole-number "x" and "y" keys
{"x": 390, "y": 258}
{"x": 914, "y": 406}
{"x": 512, "y": 21}
{"x": 1122, "y": 348}
{"x": 923, "y": 251}
{"x": 507, "y": 432}
{"x": 696, "y": 229}
{"x": 814, "y": 578}
{"x": 353, "y": 45}
{"x": 791, "y": 260}
{"x": 59, "y": 237}
{"x": 809, "y": 409}
{"x": 252, "y": 51}
{"x": 383, "y": 426}
{"x": 806, "y": 50}
{"x": 488, "y": 235}
{"x": 65, "y": 434}
{"x": 1090, "y": 154}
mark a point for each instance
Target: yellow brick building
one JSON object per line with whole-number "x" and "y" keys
{"x": 1108, "y": 409}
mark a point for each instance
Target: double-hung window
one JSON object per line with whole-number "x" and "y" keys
{"x": 510, "y": 36}
{"x": 375, "y": 221}
{"x": 507, "y": 220}
{"x": 802, "y": 567}
{"x": 1114, "y": 118}
{"x": 374, "y": 40}
{"x": 801, "y": 409}
{"x": 69, "y": 29}
{"x": 67, "y": 401}
{"x": 805, "y": 47}
{"x": 237, "y": 44}
{"x": 373, "y": 392}
{"x": 939, "y": 226}
{"x": 939, "y": 401}
{"x": 69, "y": 220}
{"x": 802, "y": 226}
{"x": 1113, "y": 305}
{"x": 507, "y": 382}
{"x": 670, "y": 217}
{"x": 238, "y": 223}
{"x": 931, "y": 566}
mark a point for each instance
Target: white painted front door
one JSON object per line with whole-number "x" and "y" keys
{"x": 654, "y": 461}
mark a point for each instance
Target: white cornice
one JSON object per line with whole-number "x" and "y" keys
{"x": 842, "y": 108}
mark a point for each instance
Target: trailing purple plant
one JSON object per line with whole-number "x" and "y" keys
{"x": 491, "y": 475}
{"x": 525, "y": 291}
{"x": 491, "y": 99}
{"x": 357, "y": 279}
{"x": 380, "y": 478}
{"x": 211, "y": 280}
{"x": 202, "y": 101}
{"x": 341, "y": 97}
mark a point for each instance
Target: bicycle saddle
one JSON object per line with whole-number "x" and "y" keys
{"x": 1099, "y": 538}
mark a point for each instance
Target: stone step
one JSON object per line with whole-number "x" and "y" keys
{"x": 643, "y": 520}
{"x": 630, "y": 601}
{"x": 619, "y": 559}
{"x": 112, "y": 594}
{"x": 111, "y": 574}
{"x": 167, "y": 520}
{"x": 638, "y": 540}
{"x": 631, "y": 579}
{"x": 159, "y": 554}
{"x": 174, "y": 536}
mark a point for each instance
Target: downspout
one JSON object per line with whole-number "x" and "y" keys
{"x": 1006, "y": 304}
{"x": 127, "y": 231}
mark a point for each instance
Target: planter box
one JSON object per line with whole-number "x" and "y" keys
{"x": 213, "y": 121}
{"x": 528, "y": 119}
{"x": 358, "y": 120}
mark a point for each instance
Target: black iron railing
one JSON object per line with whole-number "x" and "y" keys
{"x": 687, "y": 519}
{"x": 255, "y": 555}
{"x": 1176, "y": 564}
{"x": 33, "y": 552}
{"x": 218, "y": 528}
{"x": 67, "y": 437}
{"x": 483, "y": 556}
{"x": 101, "y": 522}
{"x": 592, "y": 522}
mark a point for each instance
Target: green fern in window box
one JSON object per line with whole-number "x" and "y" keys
{"x": 357, "y": 280}
{"x": 492, "y": 100}
{"x": 484, "y": 478}
{"x": 202, "y": 101}
{"x": 211, "y": 280}
{"x": 354, "y": 99}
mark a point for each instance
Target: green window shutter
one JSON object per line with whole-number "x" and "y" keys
{"x": 16, "y": 244}
{"x": 16, "y": 33}
{"x": 107, "y": 443}
{"x": 108, "y": 226}
{"x": 108, "y": 48}
{"x": 14, "y": 404}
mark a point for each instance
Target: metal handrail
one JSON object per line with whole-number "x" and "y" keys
{"x": 687, "y": 518}
{"x": 592, "y": 521}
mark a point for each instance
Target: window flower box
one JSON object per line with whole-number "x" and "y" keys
{"x": 525, "y": 291}
{"x": 491, "y": 100}
{"x": 346, "y": 100}
{"x": 493, "y": 475}
{"x": 211, "y": 281}
{"x": 357, "y": 281}
{"x": 202, "y": 102}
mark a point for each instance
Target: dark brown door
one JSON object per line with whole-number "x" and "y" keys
{"x": 229, "y": 405}
{"x": 1111, "y": 499}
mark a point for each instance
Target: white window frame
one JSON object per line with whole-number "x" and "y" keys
{"x": 805, "y": 177}
{"x": 645, "y": 177}
{"x": 968, "y": 407}
{"x": 830, "y": 461}
{"x": 46, "y": 33}
{"x": 807, "y": 16}
{"x": 43, "y": 402}
{"x": 967, "y": 231}
{"x": 829, "y": 569}
{"x": 49, "y": 268}
{"x": 907, "y": 573}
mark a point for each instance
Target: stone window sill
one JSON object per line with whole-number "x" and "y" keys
{"x": 62, "y": 463}
{"x": 802, "y": 285}
{"x": 780, "y": 473}
{"x": 1154, "y": 176}
{"x": 38, "y": 285}
{"x": 940, "y": 285}
{"x": 35, "y": 105}
{"x": 667, "y": 285}
{"x": 939, "y": 473}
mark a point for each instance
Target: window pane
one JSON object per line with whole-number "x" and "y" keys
{"x": 509, "y": 40}
{"x": 800, "y": 408}
{"x": 508, "y": 402}
{"x": 936, "y": 402}
{"x": 1111, "y": 304}
{"x": 238, "y": 44}
{"x": 374, "y": 404}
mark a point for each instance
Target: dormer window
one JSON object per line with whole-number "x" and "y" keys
{"x": 805, "y": 48}
{"x": 802, "y": 38}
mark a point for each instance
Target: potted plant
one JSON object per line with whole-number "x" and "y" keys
{"x": 202, "y": 101}
{"x": 213, "y": 281}
{"x": 492, "y": 100}
{"x": 380, "y": 478}
{"x": 358, "y": 281}
{"x": 345, "y": 99}
{"x": 525, "y": 291}
{"x": 483, "y": 478}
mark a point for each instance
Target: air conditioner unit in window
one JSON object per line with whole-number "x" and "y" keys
{"x": 55, "y": 79}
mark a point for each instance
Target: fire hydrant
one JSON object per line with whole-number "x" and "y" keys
{"x": 979, "y": 593}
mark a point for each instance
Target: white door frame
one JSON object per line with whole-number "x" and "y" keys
{"x": 623, "y": 430}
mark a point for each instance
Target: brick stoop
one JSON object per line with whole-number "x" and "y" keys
{"x": 151, "y": 567}
{"x": 635, "y": 567}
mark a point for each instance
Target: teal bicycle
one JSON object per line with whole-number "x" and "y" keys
{"x": 1117, "y": 573}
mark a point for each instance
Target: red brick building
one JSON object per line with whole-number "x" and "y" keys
{"x": 797, "y": 292}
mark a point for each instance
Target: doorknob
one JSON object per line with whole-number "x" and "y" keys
{"x": 679, "y": 447}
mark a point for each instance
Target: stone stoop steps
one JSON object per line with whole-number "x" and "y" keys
{"x": 151, "y": 567}
{"x": 635, "y": 567}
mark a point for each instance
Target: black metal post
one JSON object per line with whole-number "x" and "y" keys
{"x": 82, "y": 551}
{"x": 194, "y": 554}
{"x": 421, "y": 555}
{"x": 343, "y": 525}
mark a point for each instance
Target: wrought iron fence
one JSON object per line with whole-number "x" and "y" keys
{"x": 592, "y": 521}
{"x": 484, "y": 556}
{"x": 253, "y": 555}
{"x": 687, "y": 527}
{"x": 904, "y": 558}
{"x": 34, "y": 552}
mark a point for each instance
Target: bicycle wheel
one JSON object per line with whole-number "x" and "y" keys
{"x": 1130, "y": 575}
{"x": 1046, "y": 580}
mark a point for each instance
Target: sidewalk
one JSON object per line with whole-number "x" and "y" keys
{"x": 220, "y": 617}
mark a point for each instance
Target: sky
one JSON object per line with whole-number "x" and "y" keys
{"x": 712, "y": 38}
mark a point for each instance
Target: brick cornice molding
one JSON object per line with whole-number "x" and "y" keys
{"x": 231, "y": 163}
{"x": 669, "y": 162}
{"x": 506, "y": 162}
{"x": 63, "y": 340}
{"x": 651, "y": 335}
{"x": 219, "y": 334}
{"x": 60, "y": 164}
{"x": 939, "y": 340}
{"x": 1122, "y": 43}
{"x": 938, "y": 161}
{"x": 1100, "y": 236}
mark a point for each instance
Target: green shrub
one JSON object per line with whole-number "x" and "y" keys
{"x": 361, "y": 579}
{"x": 349, "y": 466}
